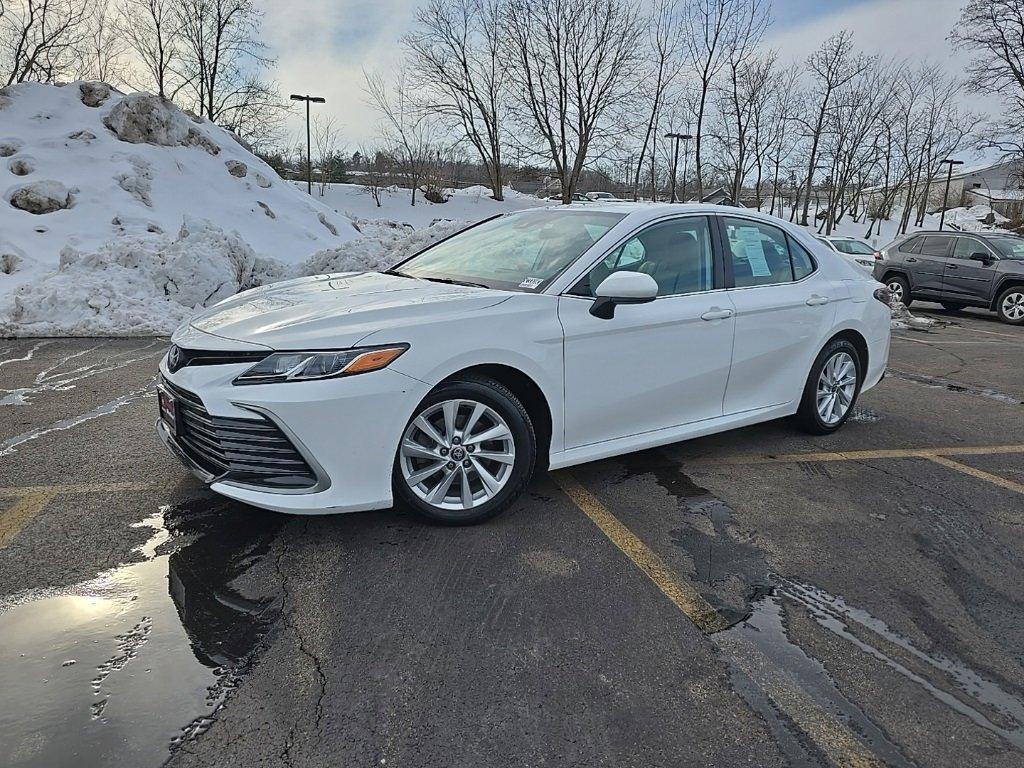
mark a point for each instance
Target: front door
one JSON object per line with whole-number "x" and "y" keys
{"x": 967, "y": 280}
{"x": 655, "y": 365}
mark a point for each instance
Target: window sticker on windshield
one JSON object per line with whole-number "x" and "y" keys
{"x": 754, "y": 247}
{"x": 531, "y": 283}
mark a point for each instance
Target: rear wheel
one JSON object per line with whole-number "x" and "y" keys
{"x": 1010, "y": 305}
{"x": 900, "y": 289}
{"x": 467, "y": 453}
{"x": 831, "y": 389}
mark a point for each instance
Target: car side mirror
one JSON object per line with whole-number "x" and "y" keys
{"x": 622, "y": 287}
{"x": 984, "y": 258}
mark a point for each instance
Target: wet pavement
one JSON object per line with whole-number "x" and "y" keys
{"x": 863, "y": 591}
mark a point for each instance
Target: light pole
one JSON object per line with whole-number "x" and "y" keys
{"x": 945, "y": 195}
{"x": 675, "y": 158}
{"x": 309, "y": 161}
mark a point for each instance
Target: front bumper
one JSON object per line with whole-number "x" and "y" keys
{"x": 347, "y": 429}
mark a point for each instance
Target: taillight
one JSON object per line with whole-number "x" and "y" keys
{"x": 878, "y": 255}
{"x": 884, "y": 295}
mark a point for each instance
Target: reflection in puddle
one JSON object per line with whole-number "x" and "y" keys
{"x": 117, "y": 670}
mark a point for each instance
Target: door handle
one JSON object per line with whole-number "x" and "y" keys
{"x": 911, "y": 260}
{"x": 952, "y": 266}
{"x": 817, "y": 301}
{"x": 716, "y": 314}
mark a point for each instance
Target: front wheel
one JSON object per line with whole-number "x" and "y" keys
{"x": 831, "y": 389}
{"x": 1010, "y": 305}
{"x": 467, "y": 453}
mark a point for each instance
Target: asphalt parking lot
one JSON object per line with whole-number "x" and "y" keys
{"x": 755, "y": 598}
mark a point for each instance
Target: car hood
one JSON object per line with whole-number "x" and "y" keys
{"x": 337, "y": 310}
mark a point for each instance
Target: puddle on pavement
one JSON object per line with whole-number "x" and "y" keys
{"x": 939, "y": 382}
{"x": 772, "y": 673}
{"x": 121, "y": 669}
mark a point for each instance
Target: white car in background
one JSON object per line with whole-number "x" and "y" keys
{"x": 543, "y": 338}
{"x": 856, "y": 251}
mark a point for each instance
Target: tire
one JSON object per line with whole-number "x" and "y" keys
{"x": 900, "y": 289}
{"x": 950, "y": 307}
{"x": 809, "y": 417}
{"x": 1010, "y": 305}
{"x": 469, "y": 497}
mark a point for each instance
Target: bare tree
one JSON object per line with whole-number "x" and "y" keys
{"x": 994, "y": 30}
{"x": 833, "y": 65}
{"x": 572, "y": 60}
{"x": 102, "y": 56}
{"x": 716, "y": 29}
{"x": 411, "y": 132}
{"x": 665, "y": 41}
{"x": 326, "y": 145}
{"x": 151, "y": 29}
{"x": 377, "y": 172}
{"x": 220, "y": 64}
{"x": 457, "y": 62}
{"x": 42, "y": 40}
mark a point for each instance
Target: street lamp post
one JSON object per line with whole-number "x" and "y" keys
{"x": 309, "y": 160}
{"x": 675, "y": 158}
{"x": 945, "y": 195}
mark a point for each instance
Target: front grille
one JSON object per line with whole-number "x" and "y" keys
{"x": 251, "y": 451}
{"x": 179, "y": 357}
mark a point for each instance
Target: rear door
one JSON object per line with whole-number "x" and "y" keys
{"x": 784, "y": 308}
{"x": 927, "y": 267}
{"x": 967, "y": 280}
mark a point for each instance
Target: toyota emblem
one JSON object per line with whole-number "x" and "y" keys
{"x": 173, "y": 358}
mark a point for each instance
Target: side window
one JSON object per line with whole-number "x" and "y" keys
{"x": 913, "y": 245}
{"x": 965, "y": 246}
{"x": 803, "y": 264}
{"x": 676, "y": 253}
{"x": 935, "y": 245}
{"x": 762, "y": 254}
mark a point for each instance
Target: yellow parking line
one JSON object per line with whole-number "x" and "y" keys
{"x": 829, "y": 733}
{"x": 686, "y": 598}
{"x": 30, "y": 500}
{"x": 884, "y": 453}
{"x": 26, "y": 507}
{"x": 981, "y": 474}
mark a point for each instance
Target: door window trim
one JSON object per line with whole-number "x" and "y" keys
{"x": 717, "y": 256}
{"x": 730, "y": 275}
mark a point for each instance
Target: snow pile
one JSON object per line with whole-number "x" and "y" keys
{"x": 140, "y": 285}
{"x": 84, "y": 165}
{"x": 976, "y": 218}
{"x": 384, "y": 243}
{"x": 902, "y": 320}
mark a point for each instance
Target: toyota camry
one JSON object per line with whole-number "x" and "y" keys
{"x": 538, "y": 339}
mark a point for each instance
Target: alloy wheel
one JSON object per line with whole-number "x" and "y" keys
{"x": 896, "y": 288}
{"x": 837, "y": 384}
{"x": 1013, "y": 305}
{"x": 457, "y": 454}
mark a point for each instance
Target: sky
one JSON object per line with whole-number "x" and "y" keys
{"x": 323, "y": 46}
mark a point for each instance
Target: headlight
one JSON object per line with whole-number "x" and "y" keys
{"x": 307, "y": 366}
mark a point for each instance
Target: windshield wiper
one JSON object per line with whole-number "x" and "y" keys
{"x": 450, "y": 281}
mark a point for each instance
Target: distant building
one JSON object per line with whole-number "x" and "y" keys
{"x": 998, "y": 185}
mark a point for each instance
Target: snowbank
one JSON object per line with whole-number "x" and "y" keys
{"x": 84, "y": 165}
{"x": 140, "y": 285}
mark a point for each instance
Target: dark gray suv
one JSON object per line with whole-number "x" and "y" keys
{"x": 957, "y": 269}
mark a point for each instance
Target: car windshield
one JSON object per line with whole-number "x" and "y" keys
{"x": 1009, "y": 247}
{"x": 521, "y": 251}
{"x": 853, "y": 247}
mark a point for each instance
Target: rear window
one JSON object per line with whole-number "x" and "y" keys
{"x": 935, "y": 245}
{"x": 912, "y": 245}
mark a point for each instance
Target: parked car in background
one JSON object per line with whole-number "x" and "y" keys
{"x": 856, "y": 251}
{"x": 577, "y": 197}
{"x": 606, "y": 197}
{"x": 958, "y": 270}
{"x": 547, "y": 337}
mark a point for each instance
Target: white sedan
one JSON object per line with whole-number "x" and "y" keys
{"x": 855, "y": 251}
{"x": 543, "y": 338}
